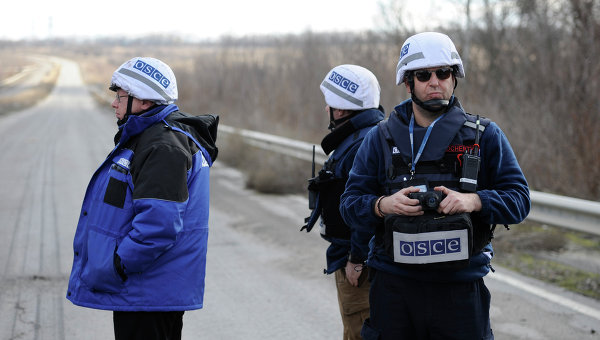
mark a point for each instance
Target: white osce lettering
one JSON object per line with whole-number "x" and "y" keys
{"x": 422, "y": 248}
{"x": 437, "y": 247}
{"x": 152, "y": 72}
{"x": 453, "y": 245}
{"x": 407, "y": 248}
{"x": 343, "y": 82}
{"x": 433, "y": 247}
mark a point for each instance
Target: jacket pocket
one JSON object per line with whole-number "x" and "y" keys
{"x": 116, "y": 192}
{"x": 99, "y": 272}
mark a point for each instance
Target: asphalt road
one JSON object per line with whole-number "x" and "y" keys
{"x": 264, "y": 277}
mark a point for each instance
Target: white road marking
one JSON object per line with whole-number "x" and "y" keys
{"x": 578, "y": 307}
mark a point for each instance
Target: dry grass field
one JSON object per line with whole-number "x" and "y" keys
{"x": 272, "y": 85}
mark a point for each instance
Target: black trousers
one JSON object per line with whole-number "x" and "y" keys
{"x": 403, "y": 308}
{"x": 148, "y": 325}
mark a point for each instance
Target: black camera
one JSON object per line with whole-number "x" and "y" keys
{"x": 429, "y": 200}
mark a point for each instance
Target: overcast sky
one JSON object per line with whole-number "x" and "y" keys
{"x": 40, "y": 19}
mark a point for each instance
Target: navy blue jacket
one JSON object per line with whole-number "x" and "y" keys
{"x": 502, "y": 189}
{"x": 343, "y": 157}
{"x": 147, "y": 205}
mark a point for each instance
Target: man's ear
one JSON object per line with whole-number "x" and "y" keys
{"x": 407, "y": 85}
{"x": 146, "y": 104}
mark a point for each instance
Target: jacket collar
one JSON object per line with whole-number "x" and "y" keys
{"x": 137, "y": 124}
{"x": 363, "y": 119}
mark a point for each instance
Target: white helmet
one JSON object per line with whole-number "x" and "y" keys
{"x": 425, "y": 50}
{"x": 146, "y": 79}
{"x": 351, "y": 87}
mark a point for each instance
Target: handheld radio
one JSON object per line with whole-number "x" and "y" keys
{"x": 470, "y": 165}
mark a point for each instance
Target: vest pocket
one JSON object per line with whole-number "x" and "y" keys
{"x": 330, "y": 191}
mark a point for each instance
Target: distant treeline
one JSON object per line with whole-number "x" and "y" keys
{"x": 532, "y": 66}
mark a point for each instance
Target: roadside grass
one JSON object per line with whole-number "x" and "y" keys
{"x": 32, "y": 95}
{"x": 525, "y": 249}
{"x": 265, "y": 171}
{"x": 12, "y": 63}
{"x": 570, "y": 278}
{"x": 584, "y": 241}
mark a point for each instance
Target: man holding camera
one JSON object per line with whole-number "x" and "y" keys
{"x": 432, "y": 181}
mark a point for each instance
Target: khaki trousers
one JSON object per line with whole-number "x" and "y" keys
{"x": 354, "y": 303}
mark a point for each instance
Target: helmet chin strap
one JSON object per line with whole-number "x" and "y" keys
{"x": 432, "y": 105}
{"x": 127, "y": 112}
{"x": 129, "y": 104}
{"x": 333, "y": 123}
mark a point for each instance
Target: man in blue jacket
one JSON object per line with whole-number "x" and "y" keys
{"x": 352, "y": 96}
{"x": 140, "y": 244}
{"x": 432, "y": 181}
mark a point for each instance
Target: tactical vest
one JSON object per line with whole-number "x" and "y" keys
{"x": 329, "y": 186}
{"x": 440, "y": 164}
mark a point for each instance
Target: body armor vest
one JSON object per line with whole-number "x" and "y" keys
{"x": 440, "y": 164}
{"x": 328, "y": 186}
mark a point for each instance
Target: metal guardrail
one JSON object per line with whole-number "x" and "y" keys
{"x": 291, "y": 147}
{"x": 566, "y": 212}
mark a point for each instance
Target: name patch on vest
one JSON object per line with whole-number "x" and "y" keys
{"x": 459, "y": 148}
{"x": 433, "y": 247}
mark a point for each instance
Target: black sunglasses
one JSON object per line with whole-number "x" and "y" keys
{"x": 440, "y": 73}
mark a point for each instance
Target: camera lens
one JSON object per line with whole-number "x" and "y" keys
{"x": 432, "y": 202}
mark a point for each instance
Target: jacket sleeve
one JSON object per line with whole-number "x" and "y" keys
{"x": 359, "y": 237}
{"x": 363, "y": 186}
{"x": 504, "y": 191}
{"x": 160, "y": 194}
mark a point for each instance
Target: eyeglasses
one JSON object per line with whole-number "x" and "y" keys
{"x": 440, "y": 73}
{"x": 119, "y": 97}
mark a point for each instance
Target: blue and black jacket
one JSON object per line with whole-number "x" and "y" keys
{"x": 501, "y": 185}
{"x": 141, "y": 239}
{"x": 346, "y": 240}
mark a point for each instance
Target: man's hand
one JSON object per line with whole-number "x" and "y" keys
{"x": 400, "y": 204}
{"x": 458, "y": 202}
{"x": 353, "y": 271}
